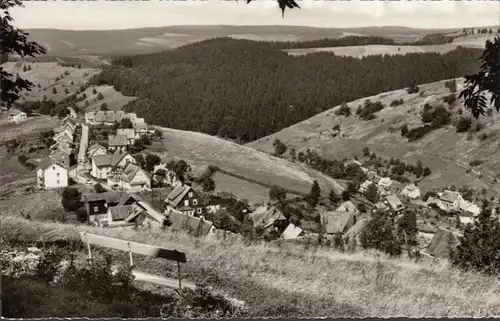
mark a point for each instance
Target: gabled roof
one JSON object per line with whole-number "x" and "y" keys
{"x": 411, "y": 188}
{"x": 110, "y": 197}
{"x": 109, "y": 160}
{"x": 358, "y": 227}
{"x": 129, "y": 133}
{"x": 100, "y": 117}
{"x": 45, "y": 163}
{"x": 157, "y": 216}
{"x": 291, "y": 232}
{"x": 265, "y": 216}
{"x": 117, "y": 140}
{"x": 397, "y": 185}
{"x": 385, "y": 181}
{"x": 60, "y": 156}
{"x": 394, "y": 201}
{"x": 442, "y": 243}
{"x": 347, "y": 206}
{"x": 366, "y": 184}
{"x": 121, "y": 212}
{"x": 176, "y": 196}
{"x": 139, "y": 126}
{"x": 131, "y": 171}
{"x": 336, "y": 221}
{"x": 448, "y": 196}
{"x": 193, "y": 225}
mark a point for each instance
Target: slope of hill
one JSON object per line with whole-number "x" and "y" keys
{"x": 445, "y": 151}
{"x": 292, "y": 282}
{"x": 145, "y": 40}
{"x": 245, "y": 89}
{"x": 247, "y": 173}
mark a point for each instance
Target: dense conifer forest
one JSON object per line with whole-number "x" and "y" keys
{"x": 245, "y": 89}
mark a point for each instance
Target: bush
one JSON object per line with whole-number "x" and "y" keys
{"x": 463, "y": 124}
{"x": 413, "y": 89}
{"x": 100, "y": 96}
{"x": 344, "y": 110}
{"x": 404, "y": 130}
{"x": 104, "y": 107}
{"x": 427, "y": 171}
{"x": 475, "y": 163}
{"x": 451, "y": 85}
{"x": 450, "y": 99}
{"x": 279, "y": 147}
{"x": 369, "y": 108}
{"x": 397, "y": 102}
{"x": 98, "y": 188}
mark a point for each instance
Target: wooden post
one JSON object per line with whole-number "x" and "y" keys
{"x": 179, "y": 274}
{"x": 130, "y": 255}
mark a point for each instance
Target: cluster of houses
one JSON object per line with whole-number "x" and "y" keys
{"x": 53, "y": 172}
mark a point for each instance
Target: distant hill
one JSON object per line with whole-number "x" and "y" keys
{"x": 447, "y": 153}
{"x": 147, "y": 40}
{"x": 245, "y": 90}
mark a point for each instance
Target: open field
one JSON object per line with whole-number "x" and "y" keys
{"x": 202, "y": 150}
{"x": 115, "y": 100}
{"x": 46, "y": 76}
{"x": 30, "y": 127}
{"x": 134, "y": 41}
{"x": 443, "y": 150}
{"x": 471, "y": 41}
{"x": 290, "y": 281}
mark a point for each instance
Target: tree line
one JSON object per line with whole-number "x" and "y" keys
{"x": 242, "y": 89}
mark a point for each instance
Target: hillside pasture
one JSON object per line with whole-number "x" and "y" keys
{"x": 49, "y": 75}
{"x": 445, "y": 151}
{"x": 293, "y": 282}
{"x": 202, "y": 150}
{"x": 28, "y": 128}
{"x": 111, "y": 97}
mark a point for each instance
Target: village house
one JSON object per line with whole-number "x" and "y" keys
{"x": 394, "y": 204}
{"x": 337, "y": 222}
{"x": 104, "y": 165}
{"x": 347, "y": 206}
{"x": 186, "y": 200}
{"x": 109, "y": 117}
{"x": 140, "y": 129}
{"x": 117, "y": 142}
{"x": 133, "y": 179}
{"x": 364, "y": 187}
{"x": 292, "y": 232}
{"x": 384, "y": 184}
{"x": 396, "y": 187}
{"x": 51, "y": 175}
{"x": 97, "y": 204}
{"x": 17, "y": 116}
{"x": 129, "y": 133}
{"x": 353, "y": 234}
{"x": 61, "y": 157}
{"x": 411, "y": 191}
{"x": 443, "y": 244}
{"x": 196, "y": 226}
{"x": 269, "y": 219}
{"x": 450, "y": 200}
{"x": 96, "y": 149}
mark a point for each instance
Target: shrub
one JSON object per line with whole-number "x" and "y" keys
{"x": 451, "y": 85}
{"x": 344, "y": 110}
{"x": 100, "y": 96}
{"x": 450, "y": 99}
{"x": 104, "y": 107}
{"x": 463, "y": 124}
{"x": 279, "y": 147}
{"x": 369, "y": 108}
{"x": 404, "y": 130}
{"x": 475, "y": 163}
{"x": 397, "y": 102}
{"x": 98, "y": 188}
{"x": 94, "y": 91}
{"x": 427, "y": 171}
{"x": 413, "y": 89}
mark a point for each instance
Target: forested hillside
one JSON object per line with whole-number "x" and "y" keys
{"x": 246, "y": 89}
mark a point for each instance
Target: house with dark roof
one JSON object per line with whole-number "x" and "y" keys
{"x": 134, "y": 179}
{"x": 61, "y": 157}
{"x": 337, "y": 222}
{"x": 140, "y": 129}
{"x": 51, "y": 175}
{"x": 105, "y": 165}
{"x": 108, "y": 117}
{"x": 354, "y": 233}
{"x": 269, "y": 218}
{"x": 97, "y": 204}
{"x": 216, "y": 204}
{"x": 186, "y": 200}
{"x": 196, "y": 226}
{"x": 443, "y": 243}
{"x": 117, "y": 142}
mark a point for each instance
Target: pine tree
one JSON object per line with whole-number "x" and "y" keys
{"x": 334, "y": 198}
{"x": 314, "y": 194}
{"x": 479, "y": 248}
{"x": 371, "y": 193}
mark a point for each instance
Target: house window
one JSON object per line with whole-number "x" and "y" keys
{"x": 53, "y": 167}
{"x": 198, "y": 210}
{"x": 57, "y": 174}
{"x": 96, "y": 208}
{"x": 195, "y": 202}
{"x": 190, "y": 194}
{"x": 186, "y": 202}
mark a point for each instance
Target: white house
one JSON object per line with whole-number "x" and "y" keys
{"x": 450, "y": 200}
{"x": 134, "y": 178}
{"x": 17, "y": 116}
{"x": 364, "y": 187}
{"x": 51, "y": 175}
{"x": 104, "y": 165}
{"x": 129, "y": 133}
{"x": 411, "y": 191}
{"x": 96, "y": 150}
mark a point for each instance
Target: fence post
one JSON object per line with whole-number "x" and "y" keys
{"x": 88, "y": 248}
{"x": 179, "y": 274}
{"x": 130, "y": 255}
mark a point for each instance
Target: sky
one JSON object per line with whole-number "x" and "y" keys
{"x": 101, "y": 14}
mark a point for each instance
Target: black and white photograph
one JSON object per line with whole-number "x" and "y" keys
{"x": 249, "y": 158}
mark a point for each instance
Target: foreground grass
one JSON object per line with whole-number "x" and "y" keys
{"x": 295, "y": 281}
